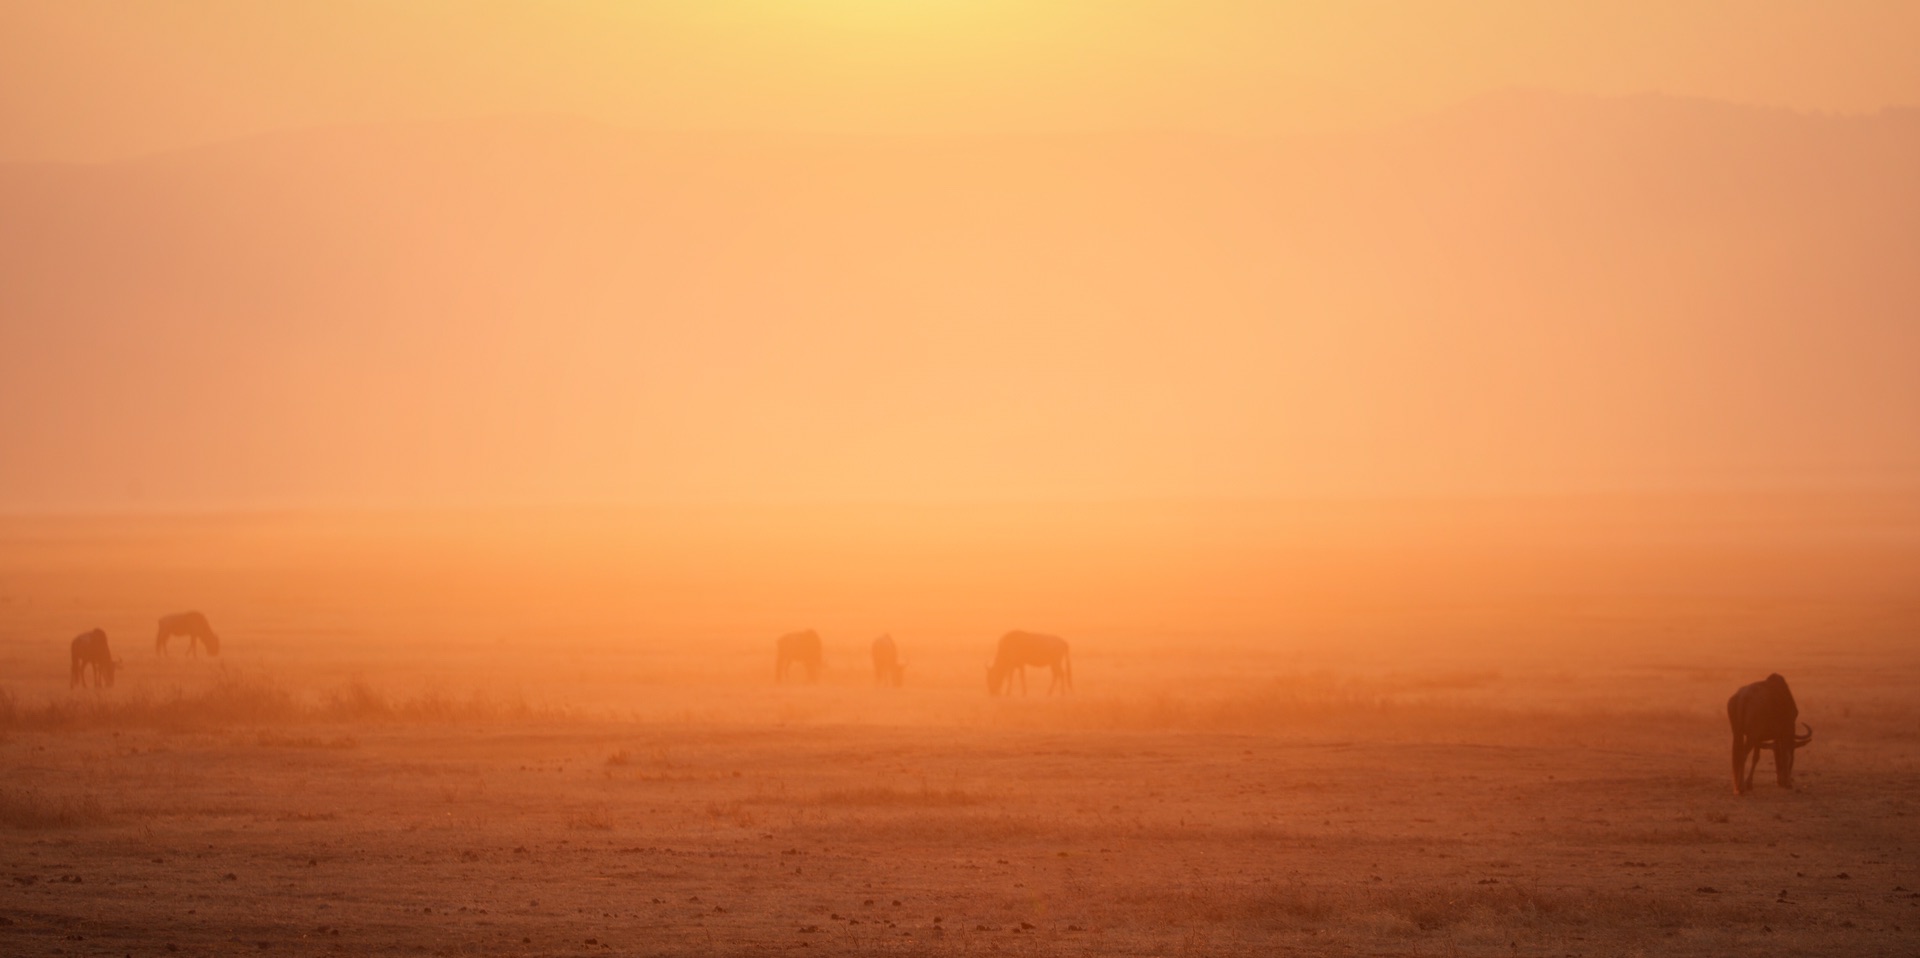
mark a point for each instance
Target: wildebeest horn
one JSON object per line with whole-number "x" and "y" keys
{"x": 1799, "y": 740}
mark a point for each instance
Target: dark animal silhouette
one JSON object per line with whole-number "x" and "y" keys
{"x": 1763, "y": 716}
{"x": 887, "y": 667}
{"x": 1021, "y": 649}
{"x": 798, "y": 648}
{"x": 194, "y": 626}
{"x": 90, "y": 649}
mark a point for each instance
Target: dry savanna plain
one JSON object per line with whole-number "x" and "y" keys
{"x": 1359, "y": 729}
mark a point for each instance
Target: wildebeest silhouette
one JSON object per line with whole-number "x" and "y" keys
{"x": 798, "y": 648}
{"x": 1021, "y": 649}
{"x": 887, "y": 668}
{"x": 193, "y": 625}
{"x": 1763, "y": 716}
{"x": 90, "y": 649}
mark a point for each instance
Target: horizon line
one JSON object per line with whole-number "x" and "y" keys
{"x": 1277, "y": 132}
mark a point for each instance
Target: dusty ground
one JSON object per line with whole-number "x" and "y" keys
{"x": 1038, "y": 827}
{"x": 330, "y": 788}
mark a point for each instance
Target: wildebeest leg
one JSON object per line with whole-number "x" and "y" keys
{"x": 1753, "y": 765}
{"x": 1783, "y": 764}
{"x": 1741, "y": 780}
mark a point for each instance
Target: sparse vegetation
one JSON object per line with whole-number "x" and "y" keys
{"x": 1444, "y": 709}
{"x": 730, "y": 813}
{"x": 1049, "y": 838}
{"x": 28, "y": 808}
{"x": 245, "y": 698}
{"x": 1206, "y": 801}
{"x": 268, "y": 739}
{"x": 590, "y": 820}
{"x": 1414, "y": 910}
{"x": 886, "y": 796}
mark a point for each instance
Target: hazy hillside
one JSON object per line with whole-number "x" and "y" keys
{"x": 1564, "y": 293}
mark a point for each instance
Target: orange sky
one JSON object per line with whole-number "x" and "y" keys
{"x": 467, "y": 253}
{"x": 84, "y": 79}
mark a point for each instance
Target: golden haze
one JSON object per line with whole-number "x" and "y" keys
{"x": 1416, "y": 418}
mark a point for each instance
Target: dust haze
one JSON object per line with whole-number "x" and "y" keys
{"x": 1520, "y": 295}
{"x": 1343, "y": 725}
{"x": 1404, "y": 429}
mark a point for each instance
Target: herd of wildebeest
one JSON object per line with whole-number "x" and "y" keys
{"x": 1016, "y": 652}
{"x": 90, "y": 648}
{"x": 1763, "y": 715}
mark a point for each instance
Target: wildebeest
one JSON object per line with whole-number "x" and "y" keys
{"x": 798, "y": 648}
{"x": 887, "y": 668}
{"x": 193, "y": 625}
{"x": 1021, "y": 649}
{"x": 1763, "y": 716}
{"x": 90, "y": 648}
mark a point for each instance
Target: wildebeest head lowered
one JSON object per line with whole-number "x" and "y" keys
{"x": 798, "y": 648}
{"x": 1763, "y": 715}
{"x": 1017, "y": 650}
{"x": 90, "y": 650}
{"x": 193, "y": 625}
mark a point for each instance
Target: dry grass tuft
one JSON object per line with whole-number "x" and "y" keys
{"x": 237, "y": 698}
{"x": 1444, "y": 709}
{"x": 29, "y": 809}
{"x": 591, "y": 820}
{"x": 307, "y": 817}
{"x": 280, "y": 740}
{"x": 1412, "y": 909}
{"x": 1686, "y": 835}
{"x": 912, "y": 825}
{"x": 233, "y": 699}
{"x": 359, "y": 701}
{"x": 731, "y": 813}
{"x": 882, "y": 795}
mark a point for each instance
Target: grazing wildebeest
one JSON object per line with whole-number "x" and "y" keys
{"x": 194, "y": 626}
{"x": 887, "y": 667}
{"x": 1021, "y": 649}
{"x": 90, "y": 648}
{"x": 798, "y": 648}
{"x": 1763, "y": 716}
